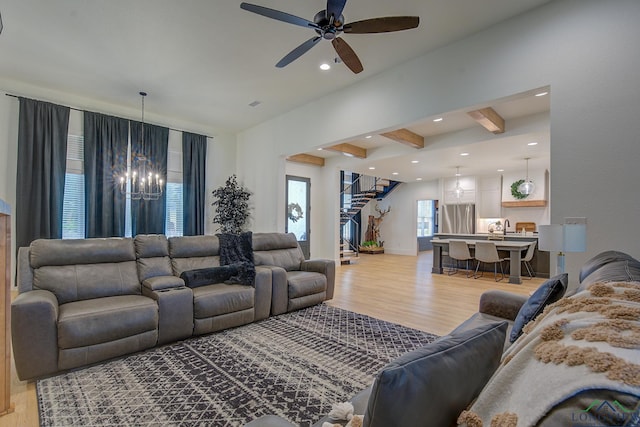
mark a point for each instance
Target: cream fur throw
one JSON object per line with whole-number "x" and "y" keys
{"x": 589, "y": 340}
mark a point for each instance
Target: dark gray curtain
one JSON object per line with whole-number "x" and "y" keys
{"x": 42, "y": 163}
{"x": 148, "y": 216}
{"x": 194, "y": 159}
{"x": 105, "y": 160}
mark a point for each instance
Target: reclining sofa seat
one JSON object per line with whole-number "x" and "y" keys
{"x": 219, "y": 306}
{"x": 79, "y": 302}
{"x": 297, "y": 283}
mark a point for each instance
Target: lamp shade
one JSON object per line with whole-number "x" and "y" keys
{"x": 562, "y": 238}
{"x": 575, "y": 237}
{"x": 550, "y": 238}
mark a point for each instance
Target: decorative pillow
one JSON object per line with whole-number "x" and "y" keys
{"x": 430, "y": 386}
{"x": 548, "y": 293}
{"x": 603, "y": 258}
{"x": 208, "y": 276}
{"x": 236, "y": 248}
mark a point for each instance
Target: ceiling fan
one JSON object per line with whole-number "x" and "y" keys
{"x": 329, "y": 24}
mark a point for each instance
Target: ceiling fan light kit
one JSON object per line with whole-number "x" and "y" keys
{"x": 329, "y": 24}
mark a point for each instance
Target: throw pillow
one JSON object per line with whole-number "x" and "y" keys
{"x": 208, "y": 276}
{"x": 548, "y": 293}
{"x": 430, "y": 386}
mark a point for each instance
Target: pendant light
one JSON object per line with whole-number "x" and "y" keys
{"x": 459, "y": 191}
{"x": 527, "y": 187}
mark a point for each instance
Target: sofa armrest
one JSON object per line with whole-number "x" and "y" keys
{"x": 501, "y": 304}
{"x": 264, "y": 288}
{"x": 159, "y": 283}
{"x": 324, "y": 266}
{"x": 34, "y": 334}
{"x": 24, "y": 272}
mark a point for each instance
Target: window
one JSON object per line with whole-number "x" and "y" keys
{"x": 73, "y": 203}
{"x": 425, "y": 217}
{"x": 174, "y": 209}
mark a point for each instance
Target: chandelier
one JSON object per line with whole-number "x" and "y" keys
{"x": 141, "y": 182}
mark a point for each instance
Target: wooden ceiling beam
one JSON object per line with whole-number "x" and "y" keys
{"x": 488, "y": 118}
{"x": 349, "y": 150}
{"x": 307, "y": 159}
{"x": 405, "y": 136}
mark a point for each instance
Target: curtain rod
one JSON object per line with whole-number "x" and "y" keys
{"x": 78, "y": 109}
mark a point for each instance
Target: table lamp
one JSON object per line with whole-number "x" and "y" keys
{"x": 562, "y": 238}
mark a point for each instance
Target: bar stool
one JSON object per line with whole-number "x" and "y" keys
{"x": 486, "y": 252}
{"x": 459, "y": 251}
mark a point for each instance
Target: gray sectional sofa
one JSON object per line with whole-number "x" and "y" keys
{"x": 575, "y": 363}
{"x": 87, "y": 300}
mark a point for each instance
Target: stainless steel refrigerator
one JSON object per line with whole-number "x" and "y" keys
{"x": 460, "y": 218}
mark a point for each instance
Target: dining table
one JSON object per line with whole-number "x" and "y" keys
{"x": 515, "y": 249}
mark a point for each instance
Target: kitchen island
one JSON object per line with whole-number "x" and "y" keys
{"x": 512, "y": 243}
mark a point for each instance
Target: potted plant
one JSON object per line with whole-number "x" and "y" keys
{"x": 232, "y": 206}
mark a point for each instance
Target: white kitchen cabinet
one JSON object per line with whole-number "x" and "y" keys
{"x": 489, "y": 197}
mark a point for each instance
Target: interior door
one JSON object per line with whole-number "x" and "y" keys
{"x": 298, "y": 211}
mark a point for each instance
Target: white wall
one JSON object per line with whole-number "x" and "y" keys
{"x": 583, "y": 49}
{"x": 399, "y": 227}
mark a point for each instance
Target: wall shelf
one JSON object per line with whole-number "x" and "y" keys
{"x": 525, "y": 204}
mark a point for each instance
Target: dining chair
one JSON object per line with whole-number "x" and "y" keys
{"x": 527, "y": 259}
{"x": 459, "y": 251}
{"x": 486, "y": 252}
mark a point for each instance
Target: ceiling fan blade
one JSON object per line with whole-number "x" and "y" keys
{"x": 347, "y": 55}
{"x": 276, "y": 14}
{"x": 382, "y": 25}
{"x": 298, "y": 52}
{"x": 334, "y": 9}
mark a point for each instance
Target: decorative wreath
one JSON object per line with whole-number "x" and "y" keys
{"x": 514, "y": 190}
{"x": 294, "y": 212}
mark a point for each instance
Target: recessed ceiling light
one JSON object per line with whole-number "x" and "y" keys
{"x": 415, "y": 161}
{"x": 348, "y": 154}
{"x": 542, "y": 93}
{"x": 325, "y": 66}
{"x": 255, "y": 103}
{"x": 464, "y": 154}
{"x": 395, "y": 173}
{"x": 320, "y": 149}
{"x": 418, "y": 179}
{"x": 532, "y": 143}
{"x": 439, "y": 119}
{"x": 372, "y": 168}
{"x": 500, "y": 170}
{"x": 368, "y": 136}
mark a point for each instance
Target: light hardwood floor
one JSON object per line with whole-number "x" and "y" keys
{"x": 395, "y": 288}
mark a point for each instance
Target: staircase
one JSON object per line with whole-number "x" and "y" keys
{"x": 367, "y": 188}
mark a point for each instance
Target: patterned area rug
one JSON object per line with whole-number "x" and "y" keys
{"x": 295, "y": 365}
